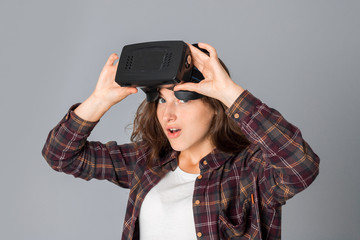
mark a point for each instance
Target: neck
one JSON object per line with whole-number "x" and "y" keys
{"x": 189, "y": 159}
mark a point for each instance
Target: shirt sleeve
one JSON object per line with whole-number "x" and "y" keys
{"x": 67, "y": 150}
{"x": 286, "y": 163}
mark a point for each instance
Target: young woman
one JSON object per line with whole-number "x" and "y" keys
{"x": 219, "y": 167}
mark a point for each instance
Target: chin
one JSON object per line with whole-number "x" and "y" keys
{"x": 177, "y": 147}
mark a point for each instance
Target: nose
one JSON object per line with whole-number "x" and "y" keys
{"x": 169, "y": 113}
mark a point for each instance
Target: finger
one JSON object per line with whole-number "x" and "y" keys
{"x": 209, "y": 48}
{"x": 111, "y": 59}
{"x": 198, "y": 57}
{"x": 197, "y": 53}
{"x": 194, "y": 87}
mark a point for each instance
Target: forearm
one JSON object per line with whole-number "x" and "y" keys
{"x": 66, "y": 141}
{"x": 293, "y": 164}
{"x": 67, "y": 150}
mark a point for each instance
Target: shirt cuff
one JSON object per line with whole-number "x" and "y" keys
{"x": 243, "y": 106}
{"x": 76, "y": 124}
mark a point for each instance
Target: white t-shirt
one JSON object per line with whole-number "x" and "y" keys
{"x": 166, "y": 212}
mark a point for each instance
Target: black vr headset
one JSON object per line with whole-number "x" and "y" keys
{"x": 150, "y": 65}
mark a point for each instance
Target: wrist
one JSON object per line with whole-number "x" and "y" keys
{"x": 99, "y": 102}
{"x": 231, "y": 94}
{"x": 92, "y": 109}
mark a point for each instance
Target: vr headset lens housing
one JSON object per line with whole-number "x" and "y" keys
{"x": 151, "y": 65}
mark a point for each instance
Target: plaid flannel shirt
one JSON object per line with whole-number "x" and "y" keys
{"x": 236, "y": 196}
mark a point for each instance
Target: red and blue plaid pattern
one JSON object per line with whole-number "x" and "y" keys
{"x": 236, "y": 196}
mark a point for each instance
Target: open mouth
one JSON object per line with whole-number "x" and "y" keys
{"x": 173, "y": 132}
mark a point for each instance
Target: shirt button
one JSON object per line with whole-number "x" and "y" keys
{"x": 197, "y": 202}
{"x": 199, "y": 234}
{"x": 205, "y": 162}
{"x": 200, "y": 177}
{"x": 236, "y": 115}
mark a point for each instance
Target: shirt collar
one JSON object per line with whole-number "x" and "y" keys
{"x": 214, "y": 159}
{"x": 171, "y": 158}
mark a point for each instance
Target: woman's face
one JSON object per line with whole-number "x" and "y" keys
{"x": 186, "y": 124}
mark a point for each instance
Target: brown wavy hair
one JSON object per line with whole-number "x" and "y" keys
{"x": 224, "y": 132}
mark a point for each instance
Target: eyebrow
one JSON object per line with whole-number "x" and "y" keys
{"x": 171, "y": 88}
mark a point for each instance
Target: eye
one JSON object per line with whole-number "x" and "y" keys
{"x": 161, "y": 100}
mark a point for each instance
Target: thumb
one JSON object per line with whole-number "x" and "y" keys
{"x": 128, "y": 91}
{"x": 132, "y": 90}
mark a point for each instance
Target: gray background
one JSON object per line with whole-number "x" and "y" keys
{"x": 300, "y": 57}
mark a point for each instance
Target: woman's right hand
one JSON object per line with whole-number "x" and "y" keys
{"x": 106, "y": 94}
{"x": 107, "y": 90}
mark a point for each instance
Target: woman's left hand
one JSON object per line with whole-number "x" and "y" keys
{"x": 217, "y": 83}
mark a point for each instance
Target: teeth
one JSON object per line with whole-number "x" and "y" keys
{"x": 173, "y": 130}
